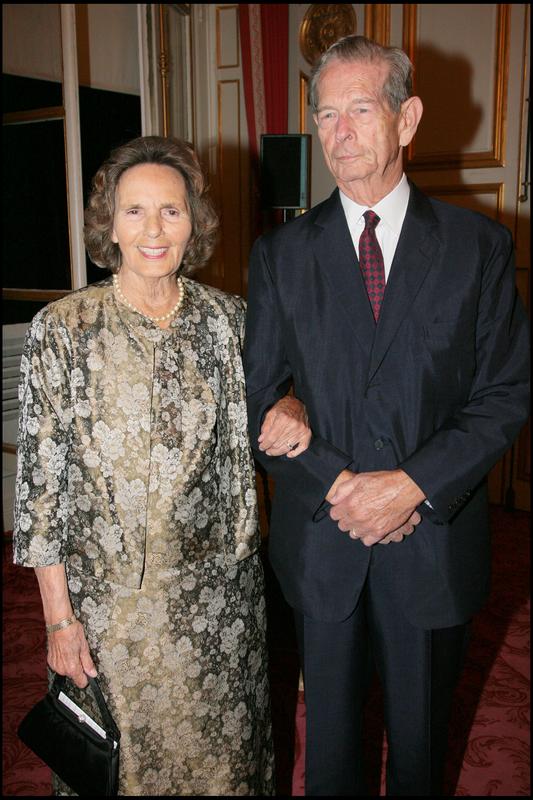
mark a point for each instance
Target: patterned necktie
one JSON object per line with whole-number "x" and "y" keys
{"x": 371, "y": 263}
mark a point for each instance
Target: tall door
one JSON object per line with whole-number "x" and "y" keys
{"x": 471, "y": 71}
{"x": 193, "y": 89}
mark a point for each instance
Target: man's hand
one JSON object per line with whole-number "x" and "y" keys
{"x": 285, "y": 429}
{"x": 375, "y": 506}
{"x": 396, "y": 536}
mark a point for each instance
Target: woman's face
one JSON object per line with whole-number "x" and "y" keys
{"x": 151, "y": 225}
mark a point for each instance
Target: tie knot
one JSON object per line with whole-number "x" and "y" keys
{"x": 371, "y": 219}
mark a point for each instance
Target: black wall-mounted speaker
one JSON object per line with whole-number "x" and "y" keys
{"x": 285, "y": 169}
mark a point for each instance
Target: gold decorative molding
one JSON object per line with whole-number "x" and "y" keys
{"x": 459, "y": 160}
{"x": 524, "y": 169}
{"x": 163, "y": 67}
{"x": 304, "y": 101}
{"x": 322, "y": 26}
{"x": 494, "y": 189}
{"x": 377, "y": 22}
{"x": 410, "y": 28}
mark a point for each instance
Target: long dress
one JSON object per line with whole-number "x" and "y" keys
{"x": 134, "y": 469}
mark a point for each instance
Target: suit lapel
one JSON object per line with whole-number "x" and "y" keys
{"x": 417, "y": 248}
{"x": 336, "y": 257}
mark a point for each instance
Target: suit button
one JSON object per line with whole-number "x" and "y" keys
{"x": 379, "y": 444}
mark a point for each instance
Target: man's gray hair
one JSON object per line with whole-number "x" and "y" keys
{"x": 398, "y": 86}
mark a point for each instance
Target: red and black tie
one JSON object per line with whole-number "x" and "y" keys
{"x": 371, "y": 263}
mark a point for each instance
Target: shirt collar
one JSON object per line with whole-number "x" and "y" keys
{"x": 391, "y": 209}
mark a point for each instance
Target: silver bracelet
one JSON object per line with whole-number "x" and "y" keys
{"x": 63, "y": 623}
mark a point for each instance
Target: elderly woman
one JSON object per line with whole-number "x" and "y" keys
{"x": 136, "y": 496}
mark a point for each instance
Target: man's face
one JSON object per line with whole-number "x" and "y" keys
{"x": 360, "y": 135}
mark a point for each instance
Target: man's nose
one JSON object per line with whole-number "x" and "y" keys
{"x": 343, "y": 129}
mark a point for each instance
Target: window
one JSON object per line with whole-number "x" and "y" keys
{"x": 56, "y": 135}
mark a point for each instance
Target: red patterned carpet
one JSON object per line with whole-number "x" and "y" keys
{"x": 490, "y": 726}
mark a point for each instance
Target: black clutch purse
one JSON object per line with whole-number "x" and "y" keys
{"x": 81, "y": 751}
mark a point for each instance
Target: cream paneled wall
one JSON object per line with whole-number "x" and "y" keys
{"x": 453, "y": 73}
{"x": 469, "y": 66}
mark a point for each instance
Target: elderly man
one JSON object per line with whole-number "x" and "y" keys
{"x": 396, "y": 319}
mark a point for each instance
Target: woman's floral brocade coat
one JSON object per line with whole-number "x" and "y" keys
{"x": 134, "y": 469}
{"x": 127, "y": 430}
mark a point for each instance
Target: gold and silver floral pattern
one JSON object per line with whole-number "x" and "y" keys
{"x": 135, "y": 470}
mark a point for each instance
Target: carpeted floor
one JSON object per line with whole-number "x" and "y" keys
{"x": 489, "y": 747}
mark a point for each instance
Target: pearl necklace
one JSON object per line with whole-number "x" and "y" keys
{"x": 173, "y": 311}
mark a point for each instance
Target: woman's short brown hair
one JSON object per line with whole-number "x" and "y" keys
{"x": 100, "y": 211}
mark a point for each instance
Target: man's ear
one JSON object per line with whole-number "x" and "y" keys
{"x": 410, "y": 115}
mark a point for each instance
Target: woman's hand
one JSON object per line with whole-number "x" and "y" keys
{"x": 68, "y": 654}
{"x": 68, "y": 651}
{"x": 285, "y": 429}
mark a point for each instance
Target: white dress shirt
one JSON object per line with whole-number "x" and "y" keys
{"x": 391, "y": 211}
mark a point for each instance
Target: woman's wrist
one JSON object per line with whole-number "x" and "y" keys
{"x": 54, "y": 594}
{"x": 61, "y": 624}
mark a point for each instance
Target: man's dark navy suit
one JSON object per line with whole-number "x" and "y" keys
{"x": 437, "y": 388}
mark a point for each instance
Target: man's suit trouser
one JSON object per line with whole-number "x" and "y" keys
{"x": 418, "y": 670}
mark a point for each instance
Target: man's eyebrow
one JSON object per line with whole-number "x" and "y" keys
{"x": 353, "y": 101}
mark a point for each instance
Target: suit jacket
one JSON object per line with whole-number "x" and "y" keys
{"x": 439, "y": 388}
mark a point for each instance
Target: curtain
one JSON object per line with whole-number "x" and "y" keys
{"x": 264, "y": 33}
{"x": 264, "y": 29}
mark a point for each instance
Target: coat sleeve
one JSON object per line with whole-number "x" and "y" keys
{"x": 236, "y": 474}
{"x": 450, "y": 464}
{"x": 39, "y": 534}
{"x": 268, "y": 378}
